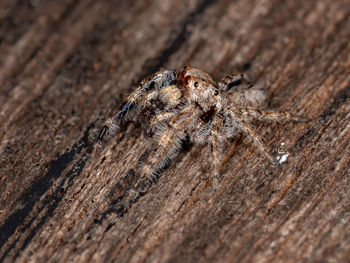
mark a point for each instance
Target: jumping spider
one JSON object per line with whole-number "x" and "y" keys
{"x": 190, "y": 104}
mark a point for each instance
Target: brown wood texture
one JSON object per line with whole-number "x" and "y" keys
{"x": 66, "y": 65}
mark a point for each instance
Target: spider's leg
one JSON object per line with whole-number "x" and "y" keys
{"x": 239, "y": 119}
{"x": 162, "y": 117}
{"x": 172, "y": 101}
{"x": 158, "y": 122}
{"x": 169, "y": 142}
{"x": 271, "y": 115}
{"x": 112, "y": 124}
{"x": 215, "y": 144}
{"x": 156, "y": 81}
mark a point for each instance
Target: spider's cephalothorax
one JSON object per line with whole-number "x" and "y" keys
{"x": 173, "y": 105}
{"x": 201, "y": 89}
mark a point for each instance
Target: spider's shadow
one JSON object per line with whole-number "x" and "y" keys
{"x": 131, "y": 187}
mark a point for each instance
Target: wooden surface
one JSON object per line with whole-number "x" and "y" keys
{"x": 66, "y": 65}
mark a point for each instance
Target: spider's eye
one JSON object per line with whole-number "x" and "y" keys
{"x": 196, "y": 84}
{"x": 216, "y": 92}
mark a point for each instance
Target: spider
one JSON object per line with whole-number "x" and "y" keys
{"x": 174, "y": 105}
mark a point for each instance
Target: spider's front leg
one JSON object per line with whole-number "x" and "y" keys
{"x": 112, "y": 124}
{"x": 169, "y": 142}
{"x": 156, "y": 82}
{"x": 170, "y": 102}
{"x": 215, "y": 143}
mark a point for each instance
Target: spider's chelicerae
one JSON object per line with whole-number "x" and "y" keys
{"x": 189, "y": 104}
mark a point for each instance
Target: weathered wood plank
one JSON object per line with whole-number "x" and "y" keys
{"x": 65, "y": 66}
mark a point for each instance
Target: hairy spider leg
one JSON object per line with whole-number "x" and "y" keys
{"x": 157, "y": 81}
{"x": 162, "y": 117}
{"x": 271, "y": 115}
{"x": 239, "y": 119}
{"x": 112, "y": 124}
{"x": 171, "y": 97}
{"x": 169, "y": 142}
{"x": 216, "y": 151}
{"x": 158, "y": 122}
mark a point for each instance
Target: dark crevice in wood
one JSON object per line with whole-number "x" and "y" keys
{"x": 39, "y": 188}
{"x": 340, "y": 98}
{"x": 50, "y": 204}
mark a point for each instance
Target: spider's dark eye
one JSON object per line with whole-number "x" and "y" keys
{"x": 216, "y": 92}
{"x": 196, "y": 84}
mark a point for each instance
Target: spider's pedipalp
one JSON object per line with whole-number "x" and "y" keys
{"x": 170, "y": 96}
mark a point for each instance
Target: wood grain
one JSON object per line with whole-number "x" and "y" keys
{"x": 66, "y": 65}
